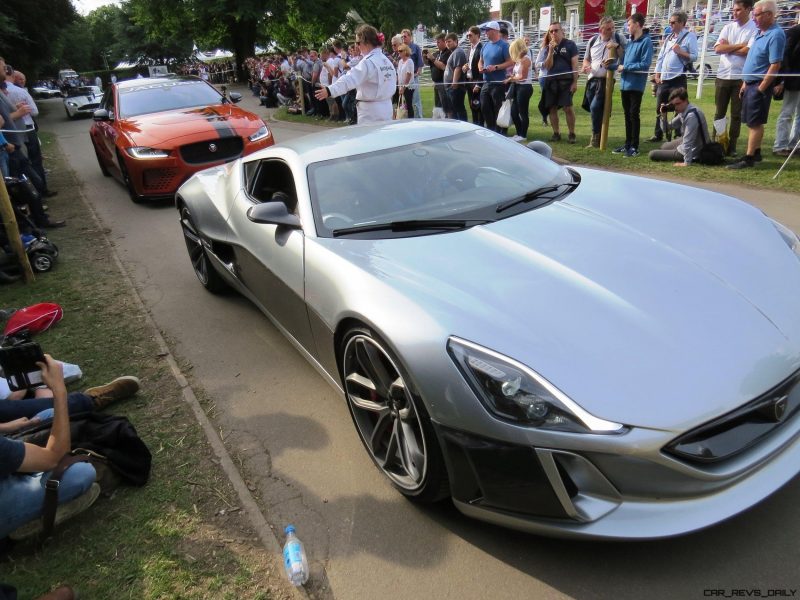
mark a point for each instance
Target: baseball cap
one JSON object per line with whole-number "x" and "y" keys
{"x": 491, "y": 25}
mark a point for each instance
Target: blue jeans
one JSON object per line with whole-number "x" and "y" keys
{"x": 787, "y": 129}
{"x": 597, "y": 103}
{"x": 77, "y": 402}
{"x": 22, "y": 495}
{"x": 417, "y": 100}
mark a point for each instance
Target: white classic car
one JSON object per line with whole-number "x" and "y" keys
{"x": 82, "y": 100}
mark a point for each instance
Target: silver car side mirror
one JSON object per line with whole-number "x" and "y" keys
{"x": 101, "y": 114}
{"x": 235, "y": 97}
{"x": 541, "y": 148}
{"x": 273, "y": 213}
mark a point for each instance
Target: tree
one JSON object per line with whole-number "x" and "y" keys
{"x": 28, "y": 29}
{"x": 460, "y": 15}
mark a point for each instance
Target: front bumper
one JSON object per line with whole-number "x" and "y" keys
{"x": 161, "y": 177}
{"x": 635, "y": 493}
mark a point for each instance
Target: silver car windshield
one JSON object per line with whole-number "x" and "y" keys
{"x": 459, "y": 176}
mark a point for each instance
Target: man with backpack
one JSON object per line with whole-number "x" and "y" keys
{"x": 684, "y": 151}
{"x": 678, "y": 52}
{"x": 596, "y": 62}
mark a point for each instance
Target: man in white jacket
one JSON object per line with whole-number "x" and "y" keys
{"x": 374, "y": 78}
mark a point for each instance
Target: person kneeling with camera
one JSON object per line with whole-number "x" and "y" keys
{"x": 25, "y": 468}
{"x": 685, "y": 150}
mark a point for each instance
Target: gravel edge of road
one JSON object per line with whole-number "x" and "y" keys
{"x": 254, "y": 514}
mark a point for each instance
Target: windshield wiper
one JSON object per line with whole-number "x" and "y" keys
{"x": 413, "y": 225}
{"x": 541, "y": 192}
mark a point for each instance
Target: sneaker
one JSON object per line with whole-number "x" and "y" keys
{"x": 556, "y": 137}
{"x": 746, "y": 162}
{"x": 63, "y": 512}
{"x": 120, "y": 388}
{"x": 517, "y": 138}
{"x": 631, "y": 153}
{"x": 655, "y": 138}
{"x": 782, "y": 152}
{"x": 620, "y": 150}
{"x": 571, "y": 138}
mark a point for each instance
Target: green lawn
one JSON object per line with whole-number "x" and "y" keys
{"x": 760, "y": 176}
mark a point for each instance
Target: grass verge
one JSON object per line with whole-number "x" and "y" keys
{"x": 760, "y": 176}
{"x": 183, "y": 535}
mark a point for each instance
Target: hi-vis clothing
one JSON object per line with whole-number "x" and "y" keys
{"x": 375, "y": 80}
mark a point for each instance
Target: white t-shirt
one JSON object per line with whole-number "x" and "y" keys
{"x": 404, "y": 67}
{"x": 731, "y": 65}
{"x": 333, "y": 63}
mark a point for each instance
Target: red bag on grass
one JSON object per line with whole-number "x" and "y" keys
{"x": 35, "y": 318}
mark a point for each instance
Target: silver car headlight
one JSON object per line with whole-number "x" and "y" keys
{"x": 262, "y": 133}
{"x": 516, "y": 393}
{"x": 71, "y": 104}
{"x": 789, "y": 236}
{"x": 145, "y": 152}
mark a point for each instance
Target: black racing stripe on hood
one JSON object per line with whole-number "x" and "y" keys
{"x": 219, "y": 121}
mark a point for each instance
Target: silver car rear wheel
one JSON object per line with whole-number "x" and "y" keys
{"x": 390, "y": 418}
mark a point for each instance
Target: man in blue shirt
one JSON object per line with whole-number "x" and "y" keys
{"x": 494, "y": 61}
{"x": 758, "y": 76}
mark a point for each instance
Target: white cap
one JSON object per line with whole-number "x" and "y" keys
{"x": 491, "y": 25}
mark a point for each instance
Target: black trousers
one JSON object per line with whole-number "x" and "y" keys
{"x": 632, "y": 107}
{"x": 474, "y": 99}
{"x": 662, "y": 97}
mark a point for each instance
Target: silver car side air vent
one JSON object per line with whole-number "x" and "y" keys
{"x": 582, "y": 489}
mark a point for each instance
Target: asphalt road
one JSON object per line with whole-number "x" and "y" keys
{"x": 302, "y": 457}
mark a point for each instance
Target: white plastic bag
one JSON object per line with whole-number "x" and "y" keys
{"x": 504, "y": 116}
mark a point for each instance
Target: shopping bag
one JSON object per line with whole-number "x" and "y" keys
{"x": 504, "y": 116}
{"x": 402, "y": 111}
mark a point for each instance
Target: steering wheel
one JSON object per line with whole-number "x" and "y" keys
{"x": 336, "y": 220}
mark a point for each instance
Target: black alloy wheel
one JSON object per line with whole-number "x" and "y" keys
{"x": 126, "y": 180}
{"x": 206, "y": 274}
{"x": 391, "y": 419}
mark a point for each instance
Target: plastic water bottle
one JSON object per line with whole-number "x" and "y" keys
{"x": 294, "y": 558}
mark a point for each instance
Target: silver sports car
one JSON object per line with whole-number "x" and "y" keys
{"x": 558, "y": 350}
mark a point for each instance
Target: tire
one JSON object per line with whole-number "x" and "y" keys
{"x": 126, "y": 180}
{"x": 40, "y": 262}
{"x": 203, "y": 269}
{"x": 103, "y": 169}
{"x": 390, "y": 417}
{"x": 69, "y": 116}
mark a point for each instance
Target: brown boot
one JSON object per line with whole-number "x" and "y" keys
{"x": 595, "y": 141}
{"x": 120, "y": 388}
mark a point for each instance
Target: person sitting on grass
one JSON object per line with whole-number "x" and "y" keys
{"x": 24, "y": 468}
{"x": 685, "y": 150}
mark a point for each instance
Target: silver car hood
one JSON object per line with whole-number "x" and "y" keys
{"x": 624, "y": 301}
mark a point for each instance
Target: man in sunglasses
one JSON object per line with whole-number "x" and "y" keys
{"x": 678, "y": 52}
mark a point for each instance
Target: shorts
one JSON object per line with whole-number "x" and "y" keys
{"x": 556, "y": 93}
{"x": 755, "y": 105}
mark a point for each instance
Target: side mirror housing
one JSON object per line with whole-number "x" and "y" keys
{"x": 101, "y": 114}
{"x": 273, "y": 213}
{"x": 541, "y": 148}
{"x": 235, "y": 97}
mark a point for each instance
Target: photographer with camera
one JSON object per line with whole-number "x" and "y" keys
{"x": 685, "y": 150}
{"x": 24, "y": 469}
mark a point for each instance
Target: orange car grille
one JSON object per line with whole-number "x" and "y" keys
{"x": 157, "y": 179}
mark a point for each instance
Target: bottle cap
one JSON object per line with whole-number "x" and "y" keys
{"x": 289, "y": 529}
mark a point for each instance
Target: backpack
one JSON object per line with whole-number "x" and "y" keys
{"x": 712, "y": 153}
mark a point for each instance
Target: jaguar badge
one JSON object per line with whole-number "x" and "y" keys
{"x": 212, "y": 147}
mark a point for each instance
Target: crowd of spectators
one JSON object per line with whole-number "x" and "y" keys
{"x": 492, "y": 69}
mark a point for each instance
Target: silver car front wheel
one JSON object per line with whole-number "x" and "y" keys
{"x": 390, "y": 418}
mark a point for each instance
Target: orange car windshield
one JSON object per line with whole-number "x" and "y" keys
{"x": 163, "y": 96}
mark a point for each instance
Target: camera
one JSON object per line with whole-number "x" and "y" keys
{"x": 18, "y": 358}
{"x": 665, "y": 108}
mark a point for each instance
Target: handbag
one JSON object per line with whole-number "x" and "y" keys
{"x": 504, "y": 116}
{"x": 402, "y": 111}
